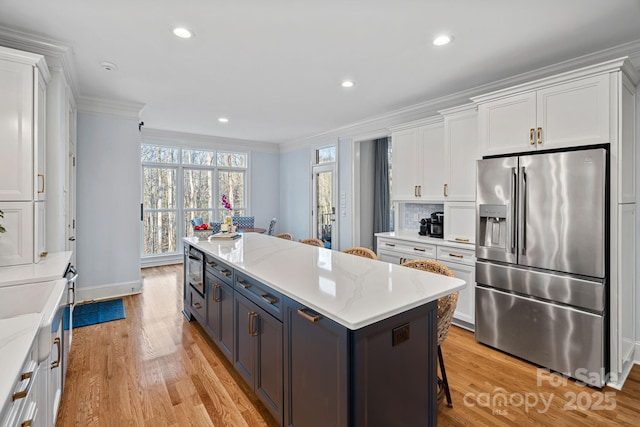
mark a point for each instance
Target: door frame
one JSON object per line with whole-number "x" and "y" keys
{"x": 321, "y": 167}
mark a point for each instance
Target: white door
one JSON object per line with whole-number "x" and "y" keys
{"x": 324, "y": 204}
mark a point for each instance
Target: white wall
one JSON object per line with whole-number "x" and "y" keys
{"x": 295, "y": 198}
{"x": 265, "y": 187}
{"x": 637, "y": 311}
{"x": 108, "y": 206}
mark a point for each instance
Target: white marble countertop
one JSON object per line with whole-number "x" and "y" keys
{"x": 50, "y": 268}
{"x": 353, "y": 291}
{"x": 17, "y": 334}
{"x": 413, "y": 236}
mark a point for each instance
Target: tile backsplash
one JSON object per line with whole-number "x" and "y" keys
{"x": 423, "y": 210}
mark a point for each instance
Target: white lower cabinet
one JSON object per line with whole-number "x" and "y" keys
{"x": 460, "y": 258}
{"x": 17, "y": 243}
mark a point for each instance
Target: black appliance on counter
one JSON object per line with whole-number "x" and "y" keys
{"x": 434, "y": 226}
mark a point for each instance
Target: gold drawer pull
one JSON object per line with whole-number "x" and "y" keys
{"x": 460, "y": 239}
{"x": 539, "y": 135}
{"x": 212, "y": 264}
{"x": 456, "y": 255}
{"x": 419, "y": 249}
{"x": 244, "y": 284}
{"x": 226, "y": 272}
{"x": 197, "y": 305}
{"x": 55, "y": 364}
{"x": 269, "y": 299}
{"x": 41, "y": 176}
{"x": 22, "y": 394}
{"x": 26, "y": 423}
{"x": 310, "y": 318}
{"x": 390, "y": 244}
{"x": 445, "y": 190}
{"x": 216, "y": 293}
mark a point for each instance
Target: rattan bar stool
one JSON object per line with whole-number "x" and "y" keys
{"x": 363, "y": 252}
{"x": 313, "y": 242}
{"x": 446, "y": 307}
{"x": 286, "y": 236}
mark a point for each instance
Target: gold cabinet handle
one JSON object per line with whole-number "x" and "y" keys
{"x": 55, "y": 364}
{"x": 310, "y": 318}
{"x": 415, "y": 191}
{"x": 22, "y": 394}
{"x": 445, "y": 190}
{"x": 420, "y": 249}
{"x": 539, "y": 135}
{"x": 252, "y": 331}
{"x": 456, "y": 255}
{"x": 41, "y": 176}
{"x": 212, "y": 264}
{"x": 531, "y": 131}
{"x": 216, "y": 293}
{"x": 226, "y": 272}
{"x": 26, "y": 423}
{"x": 419, "y": 190}
{"x": 460, "y": 239}
{"x": 402, "y": 260}
{"x": 197, "y": 305}
{"x": 269, "y": 299}
{"x": 244, "y": 284}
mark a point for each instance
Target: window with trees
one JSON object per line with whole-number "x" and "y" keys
{"x": 180, "y": 185}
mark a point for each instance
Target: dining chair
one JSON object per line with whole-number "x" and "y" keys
{"x": 313, "y": 242}
{"x": 243, "y": 221}
{"x": 446, "y": 308}
{"x": 272, "y": 226}
{"x": 286, "y": 236}
{"x": 363, "y": 252}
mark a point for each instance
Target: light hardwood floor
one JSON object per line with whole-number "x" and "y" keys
{"x": 156, "y": 369}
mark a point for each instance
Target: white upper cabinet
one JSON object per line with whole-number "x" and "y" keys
{"x": 461, "y": 153}
{"x": 568, "y": 114}
{"x": 23, "y": 78}
{"x": 417, "y": 165}
{"x": 16, "y": 137}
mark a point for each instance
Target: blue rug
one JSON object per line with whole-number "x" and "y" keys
{"x": 98, "y": 312}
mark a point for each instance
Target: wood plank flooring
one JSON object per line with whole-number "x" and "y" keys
{"x": 156, "y": 369}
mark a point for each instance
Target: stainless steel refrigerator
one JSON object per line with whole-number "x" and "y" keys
{"x": 541, "y": 272}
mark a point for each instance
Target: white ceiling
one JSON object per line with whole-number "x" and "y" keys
{"x": 274, "y": 67}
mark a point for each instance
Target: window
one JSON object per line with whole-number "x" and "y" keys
{"x": 179, "y": 185}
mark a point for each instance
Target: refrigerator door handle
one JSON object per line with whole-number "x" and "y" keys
{"x": 514, "y": 208}
{"x": 523, "y": 211}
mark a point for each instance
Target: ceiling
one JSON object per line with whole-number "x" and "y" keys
{"x": 274, "y": 68}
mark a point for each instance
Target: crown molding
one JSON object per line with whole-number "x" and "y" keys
{"x": 193, "y": 140}
{"x": 124, "y": 109}
{"x": 58, "y": 54}
{"x": 431, "y": 107}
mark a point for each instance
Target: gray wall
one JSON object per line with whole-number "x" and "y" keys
{"x": 108, "y": 201}
{"x": 295, "y": 198}
{"x": 265, "y": 187}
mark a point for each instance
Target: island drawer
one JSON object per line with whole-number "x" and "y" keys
{"x": 197, "y": 305}
{"x": 460, "y": 256}
{"x": 261, "y": 294}
{"x": 219, "y": 268}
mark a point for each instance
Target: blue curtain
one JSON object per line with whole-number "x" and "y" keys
{"x": 381, "y": 203}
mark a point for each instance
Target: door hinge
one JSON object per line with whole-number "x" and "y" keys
{"x": 74, "y": 160}
{"x": 74, "y": 224}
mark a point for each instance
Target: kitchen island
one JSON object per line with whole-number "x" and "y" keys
{"x": 322, "y": 337}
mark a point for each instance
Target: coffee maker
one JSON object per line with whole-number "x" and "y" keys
{"x": 434, "y": 226}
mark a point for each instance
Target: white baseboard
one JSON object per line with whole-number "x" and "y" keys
{"x": 636, "y": 359}
{"x": 113, "y": 290}
{"x": 159, "y": 260}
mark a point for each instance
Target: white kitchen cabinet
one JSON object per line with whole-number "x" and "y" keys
{"x": 460, "y": 222}
{"x": 17, "y": 244}
{"x": 23, "y": 79}
{"x": 418, "y": 167}
{"x": 555, "y": 115}
{"x": 461, "y": 152}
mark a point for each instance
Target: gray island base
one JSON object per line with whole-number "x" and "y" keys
{"x": 322, "y": 338}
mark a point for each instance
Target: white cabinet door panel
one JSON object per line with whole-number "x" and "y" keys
{"x": 432, "y": 169}
{"x": 574, "y": 113}
{"x": 16, "y": 245}
{"x": 461, "y": 154}
{"x": 505, "y": 124}
{"x": 460, "y": 222}
{"x": 407, "y": 153}
{"x": 465, "y": 309}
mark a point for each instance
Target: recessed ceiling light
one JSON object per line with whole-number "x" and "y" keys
{"x": 442, "y": 40}
{"x": 347, "y": 83}
{"x": 183, "y": 33}
{"x": 223, "y": 120}
{"x": 109, "y": 66}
